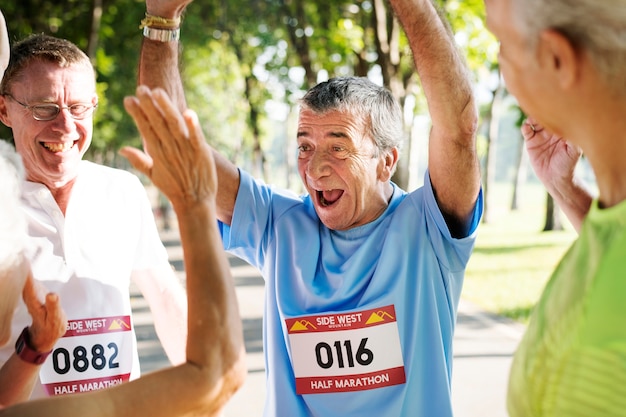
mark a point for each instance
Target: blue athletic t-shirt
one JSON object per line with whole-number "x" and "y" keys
{"x": 357, "y": 322}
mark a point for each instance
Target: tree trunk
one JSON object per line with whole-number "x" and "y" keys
{"x": 94, "y": 30}
{"x": 387, "y": 31}
{"x": 553, "y": 220}
{"x": 492, "y": 121}
{"x": 520, "y": 174}
{"x": 301, "y": 44}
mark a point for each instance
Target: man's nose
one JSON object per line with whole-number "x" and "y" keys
{"x": 319, "y": 165}
{"x": 64, "y": 120}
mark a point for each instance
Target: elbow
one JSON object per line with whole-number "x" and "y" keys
{"x": 215, "y": 385}
{"x": 468, "y": 121}
{"x": 459, "y": 126}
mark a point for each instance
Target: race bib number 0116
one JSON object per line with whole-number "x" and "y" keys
{"x": 346, "y": 352}
{"x": 93, "y": 354}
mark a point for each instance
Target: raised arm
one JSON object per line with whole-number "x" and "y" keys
{"x": 158, "y": 64}
{"x": 158, "y": 67}
{"x": 453, "y": 162}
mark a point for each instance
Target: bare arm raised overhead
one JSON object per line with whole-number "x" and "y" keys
{"x": 158, "y": 67}
{"x": 453, "y": 162}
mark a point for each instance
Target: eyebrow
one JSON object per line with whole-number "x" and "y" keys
{"x": 332, "y": 134}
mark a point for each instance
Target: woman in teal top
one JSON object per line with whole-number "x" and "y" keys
{"x": 564, "y": 61}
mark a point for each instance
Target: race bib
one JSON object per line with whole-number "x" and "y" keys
{"x": 353, "y": 351}
{"x": 93, "y": 354}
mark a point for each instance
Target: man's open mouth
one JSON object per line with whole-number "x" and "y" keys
{"x": 329, "y": 197}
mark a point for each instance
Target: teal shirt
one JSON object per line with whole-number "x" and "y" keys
{"x": 572, "y": 359}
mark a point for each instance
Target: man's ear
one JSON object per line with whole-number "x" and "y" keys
{"x": 4, "y": 117}
{"x": 387, "y": 164}
{"x": 559, "y": 57}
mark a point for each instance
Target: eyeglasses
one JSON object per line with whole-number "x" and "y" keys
{"x": 49, "y": 111}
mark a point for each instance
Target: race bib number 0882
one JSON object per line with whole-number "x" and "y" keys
{"x": 93, "y": 354}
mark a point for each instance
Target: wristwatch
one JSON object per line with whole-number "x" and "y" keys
{"x": 26, "y": 353}
{"x": 161, "y": 35}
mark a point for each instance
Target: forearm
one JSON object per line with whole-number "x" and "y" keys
{"x": 159, "y": 61}
{"x": 441, "y": 67}
{"x": 213, "y": 307}
{"x": 215, "y": 300}
{"x": 573, "y": 199}
{"x": 453, "y": 161}
{"x": 17, "y": 379}
{"x": 158, "y": 67}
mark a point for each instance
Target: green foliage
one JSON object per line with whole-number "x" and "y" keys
{"x": 215, "y": 85}
{"x": 238, "y": 55}
{"x": 467, "y": 18}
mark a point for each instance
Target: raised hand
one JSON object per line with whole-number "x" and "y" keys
{"x": 49, "y": 321}
{"x": 552, "y": 157}
{"x": 177, "y": 158}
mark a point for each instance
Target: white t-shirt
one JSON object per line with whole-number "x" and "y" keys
{"x": 87, "y": 257}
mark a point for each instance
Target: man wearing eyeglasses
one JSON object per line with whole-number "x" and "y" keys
{"x": 91, "y": 229}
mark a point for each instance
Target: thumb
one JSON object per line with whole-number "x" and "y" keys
{"x": 138, "y": 159}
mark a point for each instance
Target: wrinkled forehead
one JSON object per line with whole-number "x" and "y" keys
{"x": 37, "y": 73}
{"x": 40, "y": 75}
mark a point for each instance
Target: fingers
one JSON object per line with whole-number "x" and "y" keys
{"x": 159, "y": 122}
{"x": 193, "y": 125}
{"x": 141, "y": 161}
{"x": 48, "y": 318}
{"x": 50, "y": 326}
{"x": 180, "y": 162}
{"x": 530, "y": 127}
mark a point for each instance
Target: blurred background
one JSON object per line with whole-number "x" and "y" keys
{"x": 245, "y": 64}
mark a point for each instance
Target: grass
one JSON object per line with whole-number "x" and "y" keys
{"x": 513, "y": 257}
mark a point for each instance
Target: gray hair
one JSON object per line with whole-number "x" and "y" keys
{"x": 361, "y": 98}
{"x": 595, "y": 26}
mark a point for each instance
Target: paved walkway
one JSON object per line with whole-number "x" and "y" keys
{"x": 483, "y": 347}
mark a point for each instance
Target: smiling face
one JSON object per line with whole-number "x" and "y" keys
{"x": 342, "y": 169}
{"x": 51, "y": 150}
